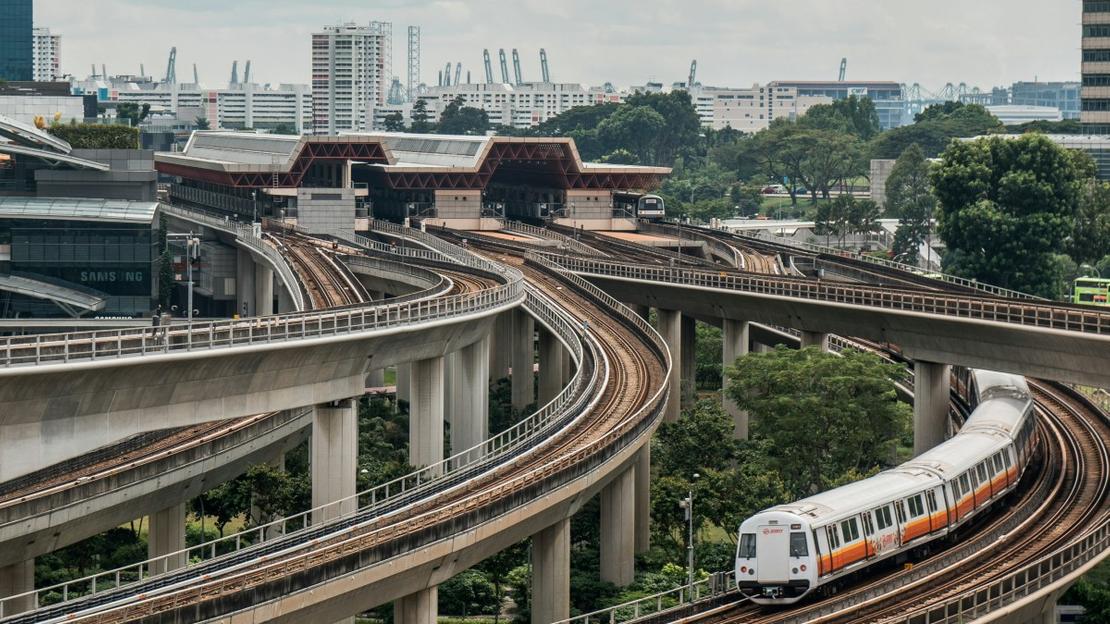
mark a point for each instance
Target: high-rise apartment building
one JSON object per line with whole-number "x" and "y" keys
{"x": 1096, "y": 67}
{"x": 351, "y": 75}
{"x": 46, "y": 55}
{"x": 16, "y": 25}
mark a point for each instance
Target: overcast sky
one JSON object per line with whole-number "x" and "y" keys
{"x": 736, "y": 42}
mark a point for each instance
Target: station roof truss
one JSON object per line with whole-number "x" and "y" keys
{"x": 402, "y": 161}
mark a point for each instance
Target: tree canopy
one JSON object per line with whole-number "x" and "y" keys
{"x": 934, "y": 129}
{"x": 909, "y": 196}
{"x": 458, "y": 118}
{"x": 1007, "y": 208}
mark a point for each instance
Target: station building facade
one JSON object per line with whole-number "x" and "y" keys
{"x": 335, "y": 184}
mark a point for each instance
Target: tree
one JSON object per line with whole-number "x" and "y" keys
{"x": 909, "y": 196}
{"x": 201, "y": 122}
{"x": 832, "y": 159}
{"x": 468, "y": 593}
{"x": 849, "y": 399}
{"x": 1090, "y": 239}
{"x": 458, "y": 118}
{"x": 935, "y": 129}
{"x": 133, "y": 113}
{"x": 421, "y": 118}
{"x": 784, "y": 150}
{"x": 1008, "y": 205}
{"x": 394, "y": 122}
{"x": 165, "y": 279}
{"x": 1092, "y": 592}
{"x": 284, "y": 129}
{"x": 681, "y": 124}
{"x": 634, "y": 129}
{"x": 96, "y": 136}
{"x": 852, "y": 115}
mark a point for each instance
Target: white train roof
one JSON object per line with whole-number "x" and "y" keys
{"x": 849, "y": 500}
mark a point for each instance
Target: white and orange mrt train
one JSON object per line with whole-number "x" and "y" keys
{"x": 786, "y": 552}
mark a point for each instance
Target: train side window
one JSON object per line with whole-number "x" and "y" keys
{"x": 915, "y": 505}
{"x": 747, "y": 546}
{"x": 886, "y": 516}
{"x": 798, "y": 545}
{"x": 834, "y": 539}
{"x": 965, "y": 486}
{"x": 974, "y": 479}
{"x": 849, "y": 530}
{"x": 982, "y": 469}
{"x": 879, "y": 519}
{"x": 997, "y": 461}
{"x": 931, "y": 497}
{"x": 868, "y": 525}
{"x": 1007, "y": 459}
{"x": 900, "y": 512}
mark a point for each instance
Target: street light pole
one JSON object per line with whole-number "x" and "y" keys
{"x": 688, "y": 505}
{"x": 192, "y": 251}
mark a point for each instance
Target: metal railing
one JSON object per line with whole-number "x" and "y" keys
{"x": 570, "y": 243}
{"x": 990, "y": 289}
{"x": 582, "y": 390}
{"x": 716, "y": 584}
{"x": 1024, "y": 313}
{"x": 249, "y": 235}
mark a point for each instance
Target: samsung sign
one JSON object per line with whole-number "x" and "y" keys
{"x": 110, "y": 277}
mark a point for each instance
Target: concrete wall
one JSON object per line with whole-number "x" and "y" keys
{"x": 132, "y": 176}
{"x": 326, "y": 210}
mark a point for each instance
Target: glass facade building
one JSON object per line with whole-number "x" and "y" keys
{"x": 888, "y": 97}
{"x": 16, "y": 40}
{"x": 1061, "y": 95}
{"x": 1095, "y": 108}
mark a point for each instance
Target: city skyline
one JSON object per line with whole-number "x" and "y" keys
{"x": 736, "y": 43}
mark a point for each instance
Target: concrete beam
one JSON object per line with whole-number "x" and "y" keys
{"x": 501, "y": 347}
{"x": 689, "y": 361}
{"x": 931, "y": 383}
{"x": 643, "y": 500}
{"x": 419, "y": 608}
{"x": 551, "y": 573}
{"x": 426, "y": 413}
{"x": 618, "y": 544}
{"x": 334, "y": 458}
{"x": 165, "y": 535}
{"x": 669, "y": 324}
{"x": 468, "y": 402}
{"x": 263, "y": 289}
{"x": 244, "y": 284}
{"x": 16, "y": 579}
{"x": 552, "y": 380}
{"x": 734, "y": 340}
{"x": 815, "y": 339}
{"x": 524, "y": 359}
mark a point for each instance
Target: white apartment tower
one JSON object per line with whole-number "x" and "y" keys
{"x": 46, "y": 59}
{"x": 351, "y": 75}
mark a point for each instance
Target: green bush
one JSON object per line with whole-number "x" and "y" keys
{"x": 96, "y": 136}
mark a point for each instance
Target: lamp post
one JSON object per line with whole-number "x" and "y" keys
{"x": 192, "y": 252}
{"x": 687, "y": 504}
{"x": 1092, "y": 267}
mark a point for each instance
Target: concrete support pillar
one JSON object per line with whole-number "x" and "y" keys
{"x": 501, "y": 347}
{"x": 419, "y": 608}
{"x": 264, "y": 289}
{"x": 618, "y": 544}
{"x": 930, "y": 404}
{"x": 403, "y": 375}
{"x": 689, "y": 361}
{"x": 551, "y": 367}
{"x": 815, "y": 339}
{"x": 19, "y": 578}
{"x": 426, "y": 412}
{"x": 643, "y": 499}
{"x": 165, "y": 535}
{"x": 551, "y": 573}
{"x": 734, "y": 339}
{"x": 244, "y": 284}
{"x": 524, "y": 359}
{"x": 669, "y": 324}
{"x": 334, "y": 458}
{"x": 285, "y": 300}
{"x": 468, "y": 403}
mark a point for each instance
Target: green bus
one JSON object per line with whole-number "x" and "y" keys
{"x": 1092, "y": 291}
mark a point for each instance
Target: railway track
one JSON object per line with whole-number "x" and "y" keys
{"x": 326, "y": 281}
{"x": 1067, "y": 495}
{"x": 633, "y": 377}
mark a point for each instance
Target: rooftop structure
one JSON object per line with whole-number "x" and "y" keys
{"x": 1017, "y": 114}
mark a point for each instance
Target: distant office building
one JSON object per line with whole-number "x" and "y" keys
{"x": 46, "y": 53}
{"x": 751, "y": 110}
{"x": 351, "y": 75}
{"x": 1096, "y": 67}
{"x": 16, "y": 39}
{"x": 27, "y": 101}
{"x": 1063, "y": 96}
{"x": 517, "y": 106}
{"x": 1017, "y": 114}
{"x": 890, "y": 101}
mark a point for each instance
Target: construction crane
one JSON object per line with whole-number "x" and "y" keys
{"x": 414, "y": 63}
{"x": 447, "y": 75}
{"x": 104, "y": 71}
{"x": 504, "y": 67}
{"x": 843, "y": 69}
{"x": 142, "y": 70}
{"x": 458, "y": 73}
{"x": 693, "y": 74}
{"x": 440, "y": 83}
{"x": 489, "y": 66}
{"x": 234, "y": 72}
{"x": 171, "y": 67}
{"x": 247, "y": 73}
{"x": 543, "y": 66}
{"x": 516, "y": 68}
{"x": 196, "y": 77}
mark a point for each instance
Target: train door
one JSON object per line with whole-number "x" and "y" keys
{"x": 974, "y": 478}
{"x": 772, "y": 547}
{"x": 868, "y": 534}
{"x": 834, "y": 547}
{"x": 886, "y": 531}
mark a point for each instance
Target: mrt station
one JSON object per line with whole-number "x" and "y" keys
{"x": 336, "y": 184}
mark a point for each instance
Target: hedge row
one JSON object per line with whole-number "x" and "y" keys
{"x": 97, "y": 136}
